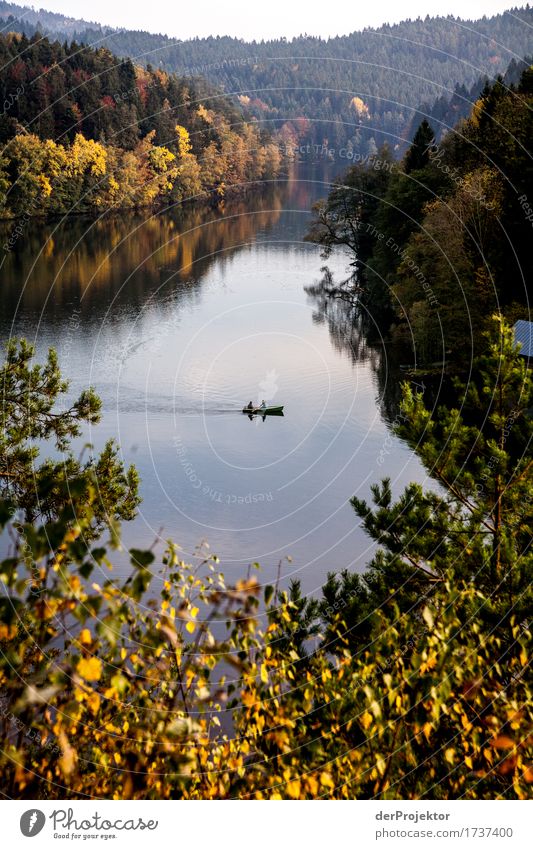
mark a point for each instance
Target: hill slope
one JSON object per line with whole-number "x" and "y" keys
{"x": 85, "y": 131}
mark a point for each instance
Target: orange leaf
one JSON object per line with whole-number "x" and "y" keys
{"x": 528, "y": 775}
{"x": 503, "y": 742}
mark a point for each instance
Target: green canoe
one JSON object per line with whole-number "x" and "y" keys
{"x": 266, "y": 411}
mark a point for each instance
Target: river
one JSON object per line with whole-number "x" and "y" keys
{"x": 179, "y": 319}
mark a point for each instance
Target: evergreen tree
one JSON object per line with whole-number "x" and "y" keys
{"x": 417, "y": 157}
{"x": 30, "y": 394}
{"x": 478, "y": 528}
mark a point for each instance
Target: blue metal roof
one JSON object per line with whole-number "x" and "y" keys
{"x": 523, "y": 333}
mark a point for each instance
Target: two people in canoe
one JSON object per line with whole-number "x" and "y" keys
{"x": 251, "y": 406}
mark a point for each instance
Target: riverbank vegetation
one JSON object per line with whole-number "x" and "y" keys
{"x": 409, "y": 682}
{"x": 361, "y": 88}
{"x": 441, "y": 240}
{"x": 84, "y": 131}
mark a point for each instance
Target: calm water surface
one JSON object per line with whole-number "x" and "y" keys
{"x": 179, "y": 320}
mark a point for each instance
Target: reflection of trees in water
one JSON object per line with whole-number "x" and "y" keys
{"x": 126, "y": 258}
{"x": 353, "y": 333}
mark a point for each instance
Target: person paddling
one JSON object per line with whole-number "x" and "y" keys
{"x": 250, "y": 406}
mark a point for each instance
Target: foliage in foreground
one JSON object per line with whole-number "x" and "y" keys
{"x": 112, "y": 693}
{"x": 195, "y": 689}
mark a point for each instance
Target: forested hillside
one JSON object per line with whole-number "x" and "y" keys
{"x": 443, "y": 238}
{"x": 449, "y": 110}
{"x": 361, "y": 87}
{"x": 84, "y": 130}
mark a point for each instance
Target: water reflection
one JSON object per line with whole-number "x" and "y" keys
{"x": 354, "y": 334}
{"x": 178, "y": 320}
{"x": 125, "y": 259}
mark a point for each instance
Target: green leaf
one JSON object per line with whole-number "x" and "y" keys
{"x": 141, "y": 559}
{"x": 269, "y": 592}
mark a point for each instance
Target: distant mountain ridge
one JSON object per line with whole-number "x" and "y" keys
{"x": 363, "y": 88}
{"x": 53, "y": 22}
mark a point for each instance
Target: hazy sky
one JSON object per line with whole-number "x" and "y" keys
{"x": 255, "y": 19}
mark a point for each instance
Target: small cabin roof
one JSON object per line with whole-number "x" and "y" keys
{"x": 523, "y": 333}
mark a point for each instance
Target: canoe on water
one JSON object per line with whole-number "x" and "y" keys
{"x": 266, "y": 411}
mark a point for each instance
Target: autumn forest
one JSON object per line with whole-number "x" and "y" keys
{"x": 324, "y": 592}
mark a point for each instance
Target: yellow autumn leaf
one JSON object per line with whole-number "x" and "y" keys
{"x": 312, "y": 785}
{"x": 293, "y": 788}
{"x": 90, "y": 668}
{"x": 465, "y": 722}
{"x": 248, "y": 699}
{"x": 85, "y": 637}
{"x": 366, "y": 719}
{"x": 68, "y": 758}
{"x": 93, "y": 700}
{"x": 449, "y": 755}
{"x": 190, "y": 627}
{"x": 326, "y": 780}
{"x": 429, "y": 664}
